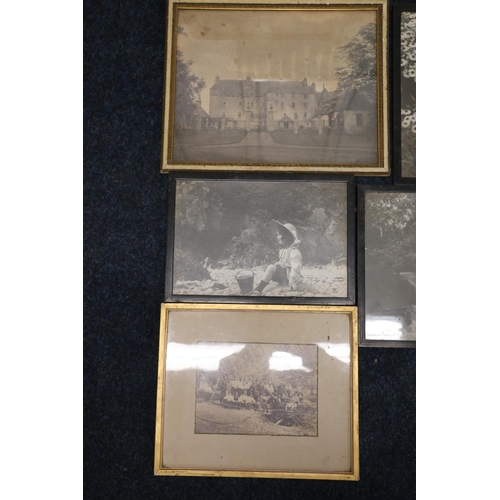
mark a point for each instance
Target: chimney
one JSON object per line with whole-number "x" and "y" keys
{"x": 313, "y": 86}
{"x": 217, "y": 79}
{"x": 304, "y": 82}
{"x": 248, "y": 78}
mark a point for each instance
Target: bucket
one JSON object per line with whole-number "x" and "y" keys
{"x": 245, "y": 280}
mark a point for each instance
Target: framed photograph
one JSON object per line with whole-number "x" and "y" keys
{"x": 258, "y": 391}
{"x": 261, "y": 239}
{"x": 387, "y": 265}
{"x": 259, "y": 85}
{"x": 405, "y": 93}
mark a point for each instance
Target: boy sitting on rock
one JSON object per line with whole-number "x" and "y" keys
{"x": 287, "y": 270}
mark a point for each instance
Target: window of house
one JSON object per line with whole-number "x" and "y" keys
{"x": 239, "y": 114}
{"x": 240, "y": 104}
{"x": 305, "y": 115}
{"x": 271, "y": 107}
{"x": 359, "y": 120}
{"x": 305, "y": 105}
{"x": 223, "y": 114}
{"x": 295, "y": 115}
{"x": 282, "y": 105}
{"x": 224, "y": 103}
{"x": 252, "y": 115}
{"x": 293, "y": 105}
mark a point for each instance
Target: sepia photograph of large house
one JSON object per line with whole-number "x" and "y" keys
{"x": 283, "y": 105}
{"x": 276, "y": 87}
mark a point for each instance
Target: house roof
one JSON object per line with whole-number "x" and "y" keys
{"x": 258, "y": 88}
{"x": 326, "y": 102}
{"x": 362, "y": 99}
{"x": 199, "y": 111}
{"x": 355, "y": 100}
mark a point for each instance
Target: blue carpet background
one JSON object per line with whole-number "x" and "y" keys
{"x": 124, "y": 248}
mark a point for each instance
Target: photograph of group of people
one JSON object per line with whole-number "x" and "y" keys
{"x": 263, "y": 389}
{"x": 246, "y": 393}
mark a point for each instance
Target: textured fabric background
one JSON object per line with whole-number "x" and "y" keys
{"x": 124, "y": 245}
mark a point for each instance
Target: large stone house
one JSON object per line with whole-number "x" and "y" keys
{"x": 263, "y": 104}
{"x": 269, "y": 105}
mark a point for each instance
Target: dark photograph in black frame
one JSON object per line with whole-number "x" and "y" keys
{"x": 261, "y": 238}
{"x": 404, "y": 95}
{"x": 387, "y": 266}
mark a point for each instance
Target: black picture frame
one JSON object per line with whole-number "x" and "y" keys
{"x": 349, "y": 181}
{"x": 361, "y": 262}
{"x": 396, "y": 97}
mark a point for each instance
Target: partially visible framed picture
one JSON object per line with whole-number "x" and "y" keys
{"x": 404, "y": 96}
{"x": 259, "y": 85}
{"x": 387, "y": 265}
{"x": 258, "y": 391}
{"x": 265, "y": 238}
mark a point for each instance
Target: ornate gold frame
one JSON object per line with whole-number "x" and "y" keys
{"x": 351, "y": 475}
{"x": 381, "y": 168}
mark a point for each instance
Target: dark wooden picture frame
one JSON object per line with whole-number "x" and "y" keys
{"x": 337, "y": 275}
{"x": 398, "y": 312}
{"x": 398, "y": 95}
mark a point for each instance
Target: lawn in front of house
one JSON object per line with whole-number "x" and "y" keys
{"x": 329, "y": 138}
{"x": 208, "y": 137}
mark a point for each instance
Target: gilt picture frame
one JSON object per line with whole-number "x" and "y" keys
{"x": 387, "y": 266}
{"x": 257, "y": 391}
{"x": 274, "y": 86}
{"x": 268, "y": 239}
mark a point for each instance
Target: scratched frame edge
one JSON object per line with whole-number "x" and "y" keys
{"x": 361, "y": 302}
{"x": 397, "y": 165}
{"x": 382, "y": 168}
{"x": 349, "y": 180}
{"x": 351, "y": 475}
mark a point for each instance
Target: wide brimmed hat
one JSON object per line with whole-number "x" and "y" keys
{"x": 289, "y": 227}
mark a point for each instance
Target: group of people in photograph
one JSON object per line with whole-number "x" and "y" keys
{"x": 256, "y": 393}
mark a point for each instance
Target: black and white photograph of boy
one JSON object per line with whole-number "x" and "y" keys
{"x": 254, "y": 238}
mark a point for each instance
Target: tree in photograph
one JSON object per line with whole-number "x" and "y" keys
{"x": 391, "y": 222}
{"x": 408, "y": 91}
{"x": 360, "y": 71}
{"x": 227, "y": 221}
{"x": 187, "y": 88}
